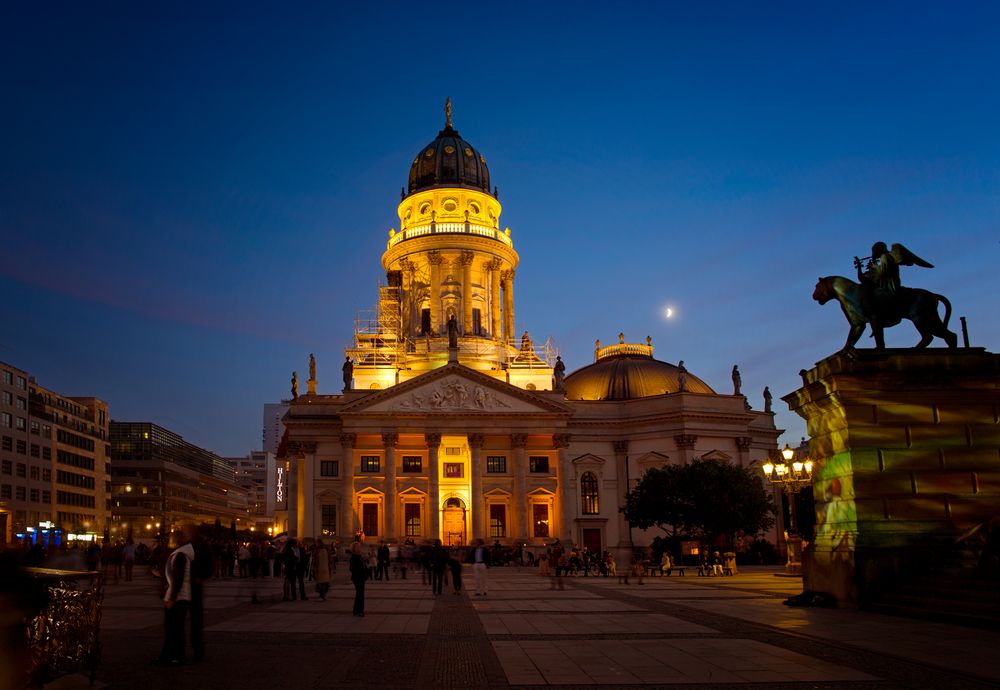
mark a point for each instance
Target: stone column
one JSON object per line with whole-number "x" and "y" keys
{"x": 406, "y": 298}
{"x": 434, "y": 258}
{"x": 517, "y": 442}
{"x": 478, "y": 500}
{"x": 434, "y": 485}
{"x": 293, "y": 490}
{"x": 685, "y": 446}
{"x": 389, "y": 442}
{"x": 743, "y": 444}
{"x": 494, "y": 268}
{"x": 621, "y": 473}
{"x": 567, "y": 489}
{"x": 351, "y": 521}
{"x": 508, "y": 305}
{"x": 466, "y": 261}
{"x": 307, "y": 503}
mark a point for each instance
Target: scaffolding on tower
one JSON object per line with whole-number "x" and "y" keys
{"x": 379, "y": 337}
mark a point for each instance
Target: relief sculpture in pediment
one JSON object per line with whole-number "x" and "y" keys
{"x": 453, "y": 395}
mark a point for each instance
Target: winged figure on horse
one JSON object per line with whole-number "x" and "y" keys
{"x": 879, "y": 299}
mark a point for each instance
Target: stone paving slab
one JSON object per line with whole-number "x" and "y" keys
{"x": 491, "y": 605}
{"x": 586, "y": 624}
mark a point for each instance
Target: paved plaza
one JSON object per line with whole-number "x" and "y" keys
{"x": 677, "y": 632}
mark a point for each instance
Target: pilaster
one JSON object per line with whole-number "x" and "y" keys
{"x": 389, "y": 442}
{"x": 478, "y": 500}
{"x": 433, "y": 441}
{"x": 517, "y": 443}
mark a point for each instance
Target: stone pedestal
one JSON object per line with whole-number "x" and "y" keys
{"x": 907, "y": 451}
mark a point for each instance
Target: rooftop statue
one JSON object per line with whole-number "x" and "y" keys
{"x": 452, "y": 332}
{"x": 737, "y": 380}
{"x": 767, "y": 399}
{"x": 312, "y": 367}
{"x": 879, "y": 299}
{"x": 295, "y": 385}
{"x": 348, "y": 371}
{"x": 558, "y": 374}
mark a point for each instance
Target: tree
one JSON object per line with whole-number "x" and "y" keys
{"x": 705, "y": 500}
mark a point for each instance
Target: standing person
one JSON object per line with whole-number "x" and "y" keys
{"x": 322, "y": 560}
{"x": 372, "y": 565}
{"x": 201, "y": 572}
{"x": 303, "y": 568}
{"x": 289, "y": 564}
{"x": 359, "y": 574}
{"x": 438, "y": 563}
{"x": 455, "y": 566}
{"x": 478, "y": 557}
{"x": 176, "y": 600}
{"x": 128, "y": 554}
{"x": 270, "y": 553}
{"x": 383, "y": 561}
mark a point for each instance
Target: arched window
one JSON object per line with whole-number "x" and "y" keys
{"x": 588, "y": 492}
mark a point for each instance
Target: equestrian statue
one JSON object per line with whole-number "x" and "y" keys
{"x": 880, "y": 300}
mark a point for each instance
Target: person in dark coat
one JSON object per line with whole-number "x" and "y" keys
{"x": 439, "y": 562}
{"x": 201, "y": 571}
{"x": 289, "y": 565}
{"x": 359, "y": 575}
{"x": 300, "y": 572}
{"x": 455, "y": 566}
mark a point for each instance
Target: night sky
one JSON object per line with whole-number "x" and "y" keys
{"x": 193, "y": 199}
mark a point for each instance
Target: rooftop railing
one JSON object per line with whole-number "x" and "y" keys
{"x": 449, "y": 229}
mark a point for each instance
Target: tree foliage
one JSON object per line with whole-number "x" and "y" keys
{"x": 705, "y": 500}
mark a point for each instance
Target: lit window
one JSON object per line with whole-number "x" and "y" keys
{"x": 412, "y": 463}
{"x": 369, "y": 519}
{"x": 538, "y": 463}
{"x": 411, "y": 515}
{"x": 329, "y": 519}
{"x": 540, "y": 519}
{"x": 498, "y": 521}
{"x": 329, "y": 468}
{"x": 454, "y": 470}
{"x": 588, "y": 494}
{"x": 496, "y": 464}
{"x": 370, "y": 463}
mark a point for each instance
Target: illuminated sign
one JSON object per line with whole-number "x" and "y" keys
{"x": 279, "y": 493}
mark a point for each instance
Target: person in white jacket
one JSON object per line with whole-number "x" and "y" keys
{"x": 176, "y": 600}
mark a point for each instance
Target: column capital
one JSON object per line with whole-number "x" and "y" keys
{"x": 434, "y": 257}
{"x": 466, "y": 258}
{"x": 390, "y": 439}
{"x": 477, "y": 440}
{"x": 621, "y": 446}
{"x": 298, "y": 449}
{"x": 560, "y": 440}
{"x": 493, "y": 264}
{"x": 433, "y": 440}
{"x": 743, "y": 442}
{"x": 518, "y": 440}
{"x": 685, "y": 441}
{"x": 348, "y": 440}
{"x": 507, "y": 275}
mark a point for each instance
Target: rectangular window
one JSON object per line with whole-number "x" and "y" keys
{"x": 47, "y": 430}
{"x": 454, "y": 470}
{"x": 7, "y": 467}
{"x": 452, "y": 450}
{"x": 496, "y": 464}
{"x": 46, "y": 453}
{"x": 22, "y": 404}
{"x": 369, "y": 519}
{"x": 22, "y": 470}
{"x": 370, "y": 463}
{"x": 411, "y": 514}
{"x": 5, "y": 491}
{"x": 33, "y": 472}
{"x": 22, "y": 447}
{"x": 329, "y": 468}
{"x": 35, "y": 450}
{"x": 46, "y": 475}
{"x": 477, "y": 322}
{"x": 34, "y": 495}
{"x": 36, "y": 428}
{"x": 19, "y": 493}
{"x": 8, "y": 443}
{"x": 412, "y": 463}
{"x": 46, "y": 497}
{"x": 8, "y": 378}
{"x": 329, "y": 518}
{"x": 538, "y": 463}
{"x": 498, "y": 521}
{"x": 6, "y": 420}
{"x": 22, "y": 424}
{"x": 22, "y": 382}
{"x": 8, "y": 399}
{"x": 540, "y": 519}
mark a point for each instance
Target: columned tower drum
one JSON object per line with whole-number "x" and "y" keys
{"x": 450, "y": 271}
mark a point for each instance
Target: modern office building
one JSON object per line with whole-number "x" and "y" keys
{"x": 255, "y": 473}
{"x": 159, "y": 481}
{"x": 273, "y": 426}
{"x": 54, "y": 472}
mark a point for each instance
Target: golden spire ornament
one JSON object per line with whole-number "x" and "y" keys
{"x": 447, "y": 113}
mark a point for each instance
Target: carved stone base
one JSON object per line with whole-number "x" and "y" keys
{"x": 906, "y": 446}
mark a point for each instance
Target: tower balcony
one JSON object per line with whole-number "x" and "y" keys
{"x": 502, "y": 236}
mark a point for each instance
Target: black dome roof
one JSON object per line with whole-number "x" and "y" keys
{"x": 449, "y": 161}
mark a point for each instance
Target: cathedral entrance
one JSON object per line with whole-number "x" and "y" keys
{"x": 453, "y": 522}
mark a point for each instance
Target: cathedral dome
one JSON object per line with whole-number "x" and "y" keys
{"x": 449, "y": 161}
{"x": 626, "y": 372}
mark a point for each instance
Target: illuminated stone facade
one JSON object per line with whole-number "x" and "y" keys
{"x": 472, "y": 433}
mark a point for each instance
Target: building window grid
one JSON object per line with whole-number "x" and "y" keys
{"x": 498, "y": 521}
{"x": 370, "y": 463}
{"x": 328, "y": 518}
{"x": 369, "y": 519}
{"x": 589, "y": 494}
{"x": 540, "y": 520}
{"x": 538, "y": 464}
{"x": 411, "y": 519}
{"x": 412, "y": 463}
{"x": 496, "y": 464}
{"x": 329, "y": 468}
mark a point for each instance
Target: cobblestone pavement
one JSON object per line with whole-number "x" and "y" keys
{"x": 676, "y": 632}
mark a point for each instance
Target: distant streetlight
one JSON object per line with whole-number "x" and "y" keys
{"x": 792, "y": 475}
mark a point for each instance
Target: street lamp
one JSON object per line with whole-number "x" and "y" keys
{"x": 792, "y": 474}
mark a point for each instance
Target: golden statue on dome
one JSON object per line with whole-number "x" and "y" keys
{"x": 447, "y": 113}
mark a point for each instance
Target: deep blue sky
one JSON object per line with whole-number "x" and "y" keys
{"x": 192, "y": 199}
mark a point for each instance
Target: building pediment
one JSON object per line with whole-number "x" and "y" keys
{"x": 454, "y": 389}
{"x": 653, "y": 459}
{"x": 717, "y": 455}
